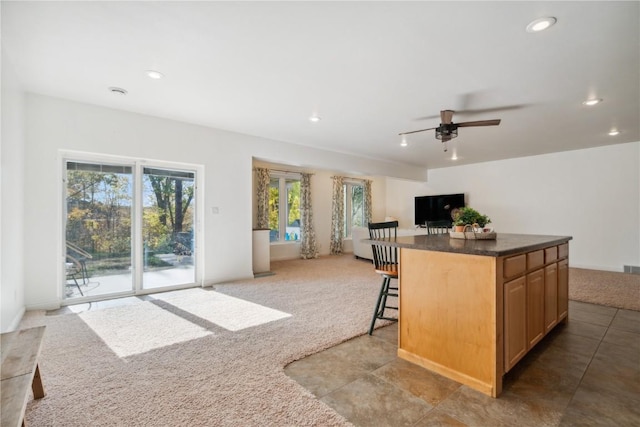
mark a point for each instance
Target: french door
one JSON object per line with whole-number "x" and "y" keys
{"x": 129, "y": 228}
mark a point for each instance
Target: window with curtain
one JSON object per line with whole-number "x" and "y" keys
{"x": 284, "y": 207}
{"x": 354, "y": 207}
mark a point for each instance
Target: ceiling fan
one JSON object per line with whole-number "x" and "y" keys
{"x": 449, "y": 130}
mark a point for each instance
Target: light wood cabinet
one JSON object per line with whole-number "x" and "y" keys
{"x": 563, "y": 289}
{"x": 470, "y": 310}
{"x": 535, "y": 307}
{"x": 515, "y": 321}
{"x": 544, "y": 281}
{"x": 550, "y": 296}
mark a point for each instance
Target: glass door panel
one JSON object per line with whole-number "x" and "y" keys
{"x": 98, "y": 229}
{"x": 168, "y": 218}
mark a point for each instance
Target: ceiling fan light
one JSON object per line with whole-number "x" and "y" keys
{"x": 404, "y": 142}
{"x": 591, "y": 102}
{"x": 614, "y": 132}
{"x": 541, "y": 24}
{"x": 448, "y": 132}
{"x": 153, "y": 74}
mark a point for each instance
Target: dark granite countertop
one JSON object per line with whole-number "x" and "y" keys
{"x": 504, "y": 244}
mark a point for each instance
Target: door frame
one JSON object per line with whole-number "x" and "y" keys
{"x": 137, "y": 248}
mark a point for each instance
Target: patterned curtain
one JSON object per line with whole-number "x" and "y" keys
{"x": 337, "y": 215}
{"x": 262, "y": 189}
{"x": 367, "y": 208}
{"x": 308, "y": 245}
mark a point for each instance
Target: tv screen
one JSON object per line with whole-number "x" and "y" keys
{"x": 436, "y": 208}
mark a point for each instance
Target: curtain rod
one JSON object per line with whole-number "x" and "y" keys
{"x": 283, "y": 171}
{"x": 354, "y": 179}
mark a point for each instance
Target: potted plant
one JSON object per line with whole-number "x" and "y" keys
{"x": 469, "y": 216}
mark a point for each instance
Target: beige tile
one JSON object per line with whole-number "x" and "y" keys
{"x": 370, "y": 401}
{"x": 585, "y": 329}
{"x": 436, "y": 418}
{"x": 592, "y": 407}
{"x": 322, "y": 373}
{"x": 591, "y": 308}
{"x": 623, "y": 338}
{"x": 476, "y": 409}
{"x": 420, "y": 382}
{"x": 365, "y": 352}
{"x": 388, "y": 333}
{"x": 603, "y": 319}
{"x": 627, "y": 320}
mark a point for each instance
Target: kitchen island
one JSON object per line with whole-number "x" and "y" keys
{"x": 471, "y": 309}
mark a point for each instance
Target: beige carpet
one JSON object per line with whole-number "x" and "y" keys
{"x": 620, "y": 290}
{"x": 142, "y": 371}
{"x": 218, "y": 377}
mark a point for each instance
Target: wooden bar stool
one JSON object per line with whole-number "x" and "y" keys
{"x": 385, "y": 261}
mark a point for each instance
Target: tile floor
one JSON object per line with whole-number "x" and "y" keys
{"x": 584, "y": 373}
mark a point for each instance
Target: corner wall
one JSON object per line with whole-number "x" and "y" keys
{"x": 592, "y": 195}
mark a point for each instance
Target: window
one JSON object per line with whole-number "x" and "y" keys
{"x": 284, "y": 208}
{"x": 353, "y": 207}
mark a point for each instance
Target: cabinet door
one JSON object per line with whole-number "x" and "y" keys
{"x": 535, "y": 307}
{"x": 515, "y": 321}
{"x": 563, "y": 289}
{"x": 550, "y": 296}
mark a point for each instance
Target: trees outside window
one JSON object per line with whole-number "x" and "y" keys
{"x": 353, "y": 207}
{"x": 284, "y": 208}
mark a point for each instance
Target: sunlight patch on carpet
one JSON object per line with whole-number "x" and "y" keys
{"x": 232, "y": 314}
{"x": 138, "y": 328}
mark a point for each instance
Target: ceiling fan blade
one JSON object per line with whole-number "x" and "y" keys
{"x": 491, "y": 110}
{"x": 446, "y": 116}
{"x": 416, "y": 131}
{"x": 495, "y": 122}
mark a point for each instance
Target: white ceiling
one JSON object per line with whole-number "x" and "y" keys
{"x": 369, "y": 70}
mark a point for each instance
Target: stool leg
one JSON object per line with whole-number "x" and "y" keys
{"x": 377, "y": 309}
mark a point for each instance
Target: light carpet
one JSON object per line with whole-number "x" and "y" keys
{"x": 620, "y": 290}
{"x": 228, "y": 312}
{"x": 225, "y": 378}
{"x": 138, "y": 328}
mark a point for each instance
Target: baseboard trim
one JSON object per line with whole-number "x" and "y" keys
{"x": 16, "y": 320}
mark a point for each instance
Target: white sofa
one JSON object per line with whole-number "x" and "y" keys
{"x": 363, "y": 250}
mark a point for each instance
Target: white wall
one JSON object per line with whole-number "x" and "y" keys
{"x": 55, "y": 124}
{"x": 11, "y": 199}
{"x": 592, "y": 195}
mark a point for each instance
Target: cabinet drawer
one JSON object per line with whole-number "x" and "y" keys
{"x": 551, "y": 254}
{"x": 535, "y": 259}
{"x": 563, "y": 250}
{"x": 514, "y": 266}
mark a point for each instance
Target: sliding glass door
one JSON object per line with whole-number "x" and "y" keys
{"x": 126, "y": 218}
{"x": 167, "y": 227}
{"x": 98, "y": 230}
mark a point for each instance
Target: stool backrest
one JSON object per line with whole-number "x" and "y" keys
{"x": 384, "y": 255}
{"x": 438, "y": 227}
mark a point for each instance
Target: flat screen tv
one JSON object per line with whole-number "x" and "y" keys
{"x": 436, "y": 208}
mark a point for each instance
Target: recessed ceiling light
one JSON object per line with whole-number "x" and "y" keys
{"x": 592, "y": 101}
{"x": 314, "y": 119}
{"x": 541, "y": 24}
{"x": 156, "y": 75}
{"x": 614, "y": 132}
{"x": 117, "y": 90}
